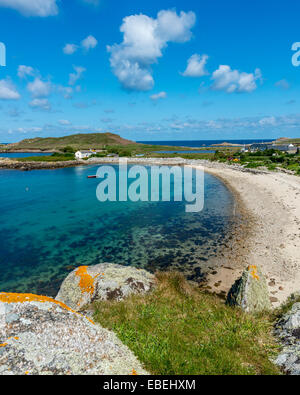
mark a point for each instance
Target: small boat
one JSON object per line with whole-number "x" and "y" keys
{"x": 91, "y": 176}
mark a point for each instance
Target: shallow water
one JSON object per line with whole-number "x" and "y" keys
{"x": 23, "y": 154}
{"x": 52, "y": 222}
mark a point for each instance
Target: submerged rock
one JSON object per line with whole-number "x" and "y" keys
{"x": 105, "y": 281}
{"x": 287, "y": 330}
{"x": 250, "y": 292}
{"x": 40, "y": 336}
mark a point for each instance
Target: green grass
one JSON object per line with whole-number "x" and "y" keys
{"x": 56, "y": 157}
{"x": 76, "y": 141}
{"x": 178, "y": 329}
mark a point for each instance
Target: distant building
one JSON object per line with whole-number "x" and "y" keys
{"x": 83, "y": 154}
{"x": 260, "y": 147}
{"x": 263, "y": 147}
{"x": 285, "y": 148}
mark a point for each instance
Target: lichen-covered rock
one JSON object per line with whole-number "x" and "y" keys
{"x": 105, "y": 281}
{"x": 250, "y": 292}
{"x": 41, "y": 336}
{"x": 287, "y": 330}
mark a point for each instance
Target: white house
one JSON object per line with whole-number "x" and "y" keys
{"x": 83, "y": 154}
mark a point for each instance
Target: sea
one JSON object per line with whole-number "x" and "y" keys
{"x": 52, "y": 222}
{"x": 23, "y": 154}
{"x": 204, "y": 143}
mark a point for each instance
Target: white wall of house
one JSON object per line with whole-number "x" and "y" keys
{"x": 82, "y": 155}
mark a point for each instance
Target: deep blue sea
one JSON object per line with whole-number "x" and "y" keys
{"x": 52, "y": 222}
{"x": 203, "y": 143}
{"x": 187, "y": 152}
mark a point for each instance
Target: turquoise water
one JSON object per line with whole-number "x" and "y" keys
{"x": 23, "y": 154}
{"x": 52, "y": 222}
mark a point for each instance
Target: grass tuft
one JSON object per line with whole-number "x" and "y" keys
{"x": 178, "y": 329}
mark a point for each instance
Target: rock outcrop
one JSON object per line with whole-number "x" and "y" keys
{"x": 288, "y": 331}
{"x": 41, "y": 336}
{"x": 105, "y": 281}
{"x": 250, "y": 292}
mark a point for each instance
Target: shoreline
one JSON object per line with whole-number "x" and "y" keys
{"x": 271, "y": 203}
{"x": 267, "y": 233}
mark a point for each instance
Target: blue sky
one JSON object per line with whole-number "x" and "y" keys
{"x": 159, "y": 70}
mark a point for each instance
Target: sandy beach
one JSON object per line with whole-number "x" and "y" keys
{"x": 272, "y": 203}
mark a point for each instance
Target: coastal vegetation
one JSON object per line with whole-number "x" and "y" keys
{"x": 76, "y": 141}
{"x": 270, "y": 159}
{"x": 180, "y": 329}
{"x": 55, "y": 157}
{"x": 111, "y": 143}
{"x": 105, "y": 144}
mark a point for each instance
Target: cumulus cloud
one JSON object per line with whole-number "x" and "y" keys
{"x": 24, "y": 71}
{"x": 234, "y": 81}
{"x": 157, "y": 96}
{"x": 8, "y": 91}
{"x": 89, "y": 43}
{"x": 39, "y": 88}
{"x": 42, "y": 104}
{"x": 283, "y": 84}
{"x": 144, "y": 39}
{"x": 74, "y": 77}
{"x": 69, "y": 49}
{"x": 64, "y": 122}
{"x": 196, "y": 66}
{"x": 267, "y": 121}
{"x": 40, "y": 8}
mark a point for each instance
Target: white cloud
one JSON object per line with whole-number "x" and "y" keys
{"x": 89, "y": 43}
{"x": 157, "y": 96}
{"x": 283, "y": 84}
{"x": 8, "y": 91}
{"x": 234, "y": 81}
{"x": 66, "y": 91}
{"x": 32, "y": 129}
{"x": 69, "y": 49}
{"x": 39, "y": 88}
{"x": 144, "y": 38}
{"x": 74, "y": 77}
{"x": 196, "y": 66}
{"x": 40, "y": 8}
{"x": 41, "y": 104}
{"x": 267, "y": 121}
{"x": 24, "y": 71}
{"x": 64, "y": 122}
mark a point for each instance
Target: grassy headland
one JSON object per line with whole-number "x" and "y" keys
{"x": 76, "y": 141}
{"x": 179, "y": 329}
{"x": 64, "y": 148}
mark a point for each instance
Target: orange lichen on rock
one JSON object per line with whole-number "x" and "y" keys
{"x": 86, "y": 282}
{"x": 253, "y": 271}
{"x": 3, "y": 344}
{"x": 23, "y": 298}
{"x": 134, "y": 372}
